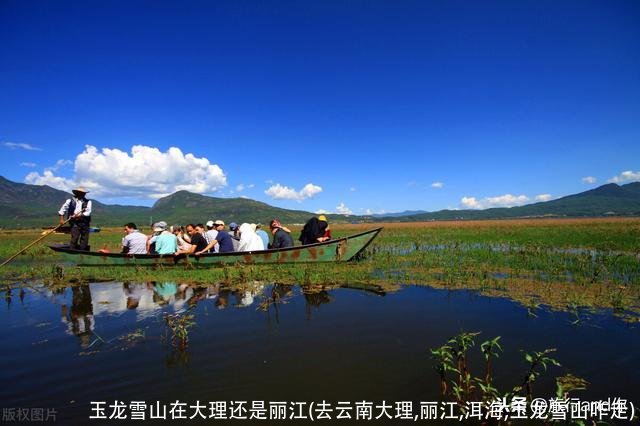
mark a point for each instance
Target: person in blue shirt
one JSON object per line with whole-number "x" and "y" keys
{"x": 223, "y": 240}
{"x": 262, "y": 234}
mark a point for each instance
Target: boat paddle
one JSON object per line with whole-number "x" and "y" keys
{"x": 51, "y": 231}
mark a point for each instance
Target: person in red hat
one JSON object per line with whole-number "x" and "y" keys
{"x": 78, "y": 211}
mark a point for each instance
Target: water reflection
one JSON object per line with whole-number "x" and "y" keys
{"x": 84, "y": 307}
{"x": 254, "y": 343}
{"x": 314, "y": 297}
{"x": 79, "y": 319}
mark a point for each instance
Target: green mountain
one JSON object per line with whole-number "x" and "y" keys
{"x": 29, "y": 206}
{"x": 187, "y": 207}
{"x": 606, "y": 200}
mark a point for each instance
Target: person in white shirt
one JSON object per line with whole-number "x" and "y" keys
{"x": 77, "y": 211}
{"x": 211, "y": 236}
{"x": 249, "y": 240}
{"x": 135, "y": 242}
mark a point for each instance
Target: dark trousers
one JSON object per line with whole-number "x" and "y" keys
{"x": 79, "y": 236}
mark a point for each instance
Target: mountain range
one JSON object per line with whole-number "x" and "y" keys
{"x": 27, "y": 206}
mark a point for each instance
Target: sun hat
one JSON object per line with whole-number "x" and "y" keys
{"x": 218, "y": 222}
{"x": 322, "y": 218}
{"x": 81, "y": 189}
{"x": 160, "y": 226}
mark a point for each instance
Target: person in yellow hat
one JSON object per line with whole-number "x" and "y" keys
{"x": 327, "y": 230}
{"x": 314, "y": 231}
{"x": 78, "y": 211}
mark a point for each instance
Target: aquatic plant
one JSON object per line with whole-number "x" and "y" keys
{"x": 179, "y": 325}
{"x": 458, "y": 383}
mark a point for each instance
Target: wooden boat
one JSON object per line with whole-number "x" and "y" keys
{"x": 337, "y": 250}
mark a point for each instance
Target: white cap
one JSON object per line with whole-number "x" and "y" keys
{"x": 210, "y": 224}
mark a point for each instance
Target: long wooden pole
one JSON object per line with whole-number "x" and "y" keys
{"x": 36, "y": 241}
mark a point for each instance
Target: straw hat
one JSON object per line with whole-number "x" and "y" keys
{"x": 80, "y": 189}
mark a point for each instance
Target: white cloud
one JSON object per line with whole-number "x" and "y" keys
{"x": 470, "y": 203}
{"x": 589, "y": 179}
{"x": 352, "y": 189}
{"x": 342, "y": 209}
{"x": 543, "y": 197}
{"x": 47, "y": 178}
{"x": 241, "y": 187}
{"x": 26, "y": 146}
{"x": 322, "y": 211}
{"x": 437, "y": 185}
{"x": 280, "y": 192}
{"x": 26, "y": 164}
{"x": 506, "y": 200}
{"x": 627, "y": 176}
{"x": 145, "y": 173}
{"x": 59, "y": 164}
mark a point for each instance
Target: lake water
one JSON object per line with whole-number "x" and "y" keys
{"x": 66, "y": 351}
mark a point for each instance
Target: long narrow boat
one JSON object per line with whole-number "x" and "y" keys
{"x": 338, "y": 250}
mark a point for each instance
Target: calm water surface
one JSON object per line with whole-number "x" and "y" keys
{"x": 107, "y": 341}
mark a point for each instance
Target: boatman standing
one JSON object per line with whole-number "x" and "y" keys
{"x": 78, "y": 211}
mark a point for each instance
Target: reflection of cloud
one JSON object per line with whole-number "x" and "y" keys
{"x": 506, "y": 200}
{"x": 109, "y": 299}
{"x": 589, "y": 179}
{"x": 146, "y": 172}
{"x": 25, "y": 146}
{"x": 280, "y": 192}
{"x": 627, "y": 176}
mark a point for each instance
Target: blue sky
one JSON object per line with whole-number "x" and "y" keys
{"x": 356, "y": 106}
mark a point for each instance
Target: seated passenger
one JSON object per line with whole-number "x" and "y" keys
{"x": 263, "y": 235}
{"x": 313, "y": 232}
{"x": 183, "y": 246}
{"x": 198, "y": 243}
{"x": 327, "y": 230}
{"x": 223, "y": 240}
{"x": 211, "y": 235}
{"x": 233, "y": 233}
{"x": 281, "y": 235}
{"x": 249, "y": 240}
{"x": 134, "y": 242}
{"x": 166, "y": 242}
{"x": 151, "y": 239}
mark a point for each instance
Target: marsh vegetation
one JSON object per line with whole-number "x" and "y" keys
{"x": 569, "y": 264}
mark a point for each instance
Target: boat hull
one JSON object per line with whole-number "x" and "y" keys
{"x": 338, "y": 250}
